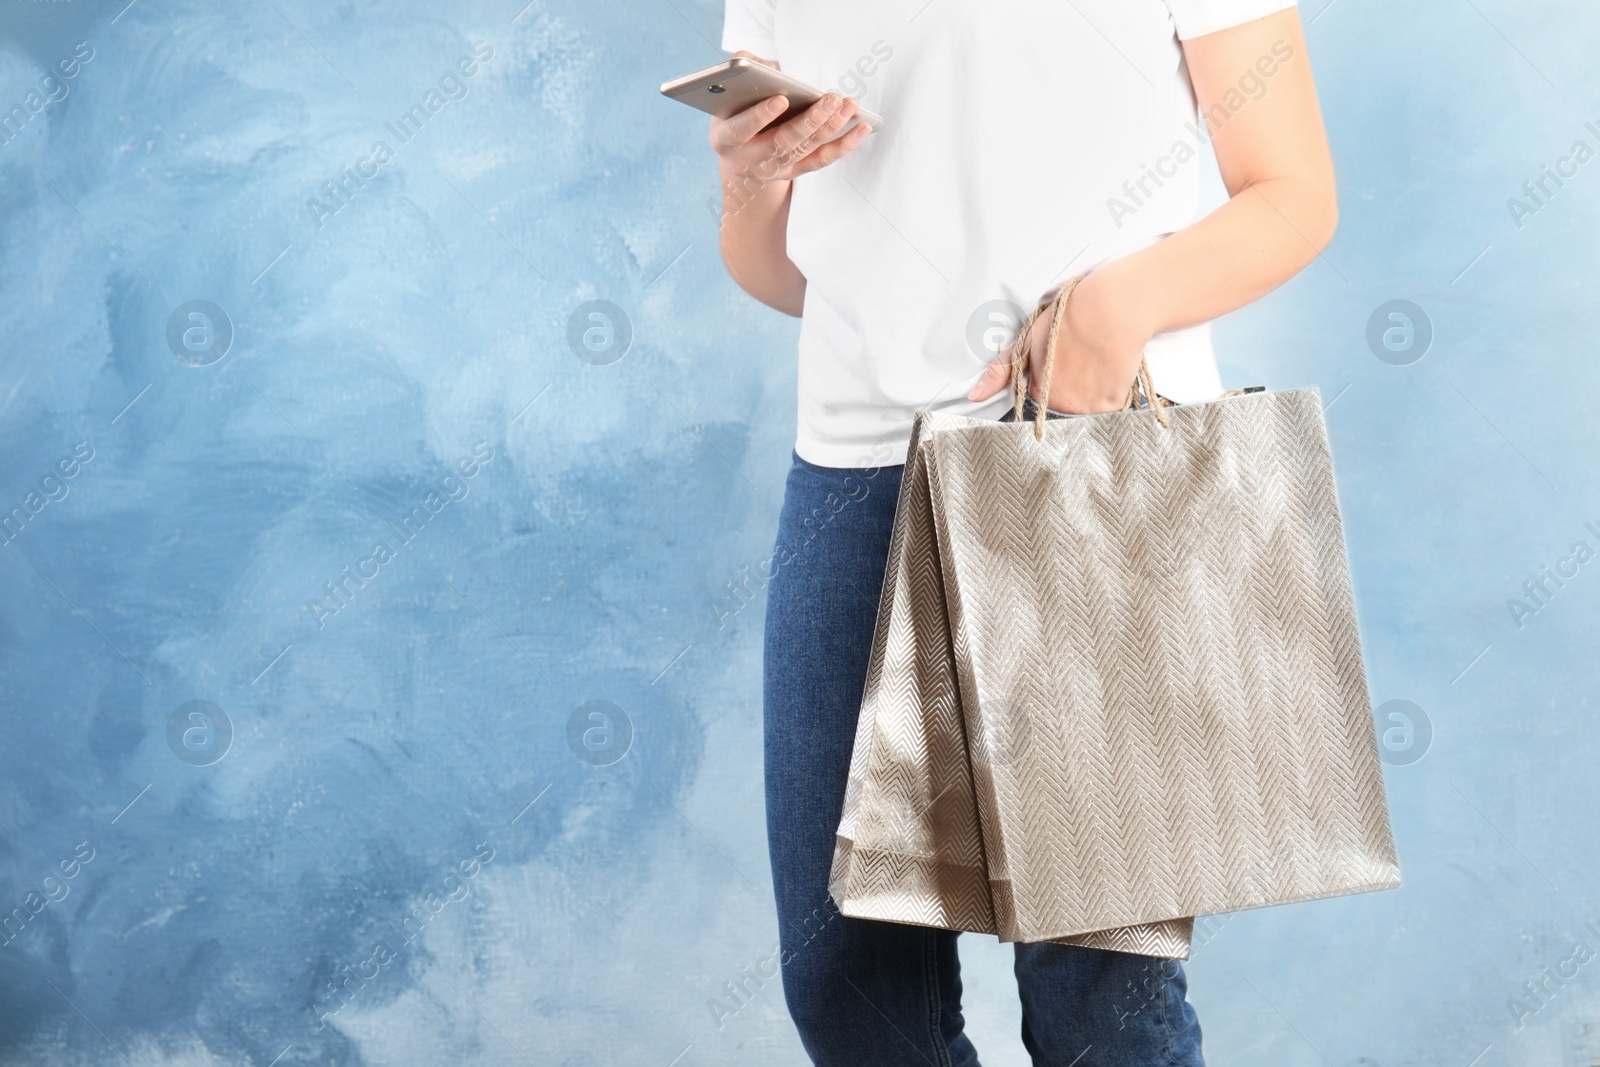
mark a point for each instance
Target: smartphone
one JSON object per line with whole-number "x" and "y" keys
{"x": 729, "y": 88}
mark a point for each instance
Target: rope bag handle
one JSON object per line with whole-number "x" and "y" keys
{"x": 1143, "y": 386}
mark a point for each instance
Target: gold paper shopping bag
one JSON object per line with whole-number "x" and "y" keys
{"x": 1116, "y": 680}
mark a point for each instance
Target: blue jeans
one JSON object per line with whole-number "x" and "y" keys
{"x": 876, "y": 994}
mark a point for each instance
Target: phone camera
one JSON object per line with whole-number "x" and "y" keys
{"x": 716, "y": 88}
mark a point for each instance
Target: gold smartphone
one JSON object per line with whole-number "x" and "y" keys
{"x": 729, "y": 88}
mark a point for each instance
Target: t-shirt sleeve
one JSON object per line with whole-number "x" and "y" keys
{"x": 1195, "y": 18}
{"x": 747, "y": 26}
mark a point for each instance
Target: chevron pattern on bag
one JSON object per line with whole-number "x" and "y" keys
{"x": 1116, "y": 682}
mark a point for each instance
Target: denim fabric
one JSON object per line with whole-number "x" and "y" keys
{"x": 875, "y": 994}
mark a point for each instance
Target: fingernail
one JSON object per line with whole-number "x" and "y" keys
{"x": 775, "y": 105}
{"x": 831, "y": 103}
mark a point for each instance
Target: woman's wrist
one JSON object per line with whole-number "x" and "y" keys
{"x": 1114, "y": 306}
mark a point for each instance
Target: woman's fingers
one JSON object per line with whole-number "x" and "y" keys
{"x": 828, "y": 133}
{"x": 834, "y": 150}
{"x": 996, "y": 376}
{"x": 805, "y": 143}
{"x": 797, "y": 137}
{"x": 742, "y": 128}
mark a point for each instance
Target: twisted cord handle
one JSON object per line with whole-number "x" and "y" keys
{"x": 1143, "y": 385}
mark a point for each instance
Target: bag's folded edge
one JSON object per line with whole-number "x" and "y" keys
{"x": 965, "y": 902}
{"x": 926, "y": 899}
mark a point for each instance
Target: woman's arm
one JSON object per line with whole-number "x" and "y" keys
{"x": 758, "y": 170}
{"x": 1281, "y": 212}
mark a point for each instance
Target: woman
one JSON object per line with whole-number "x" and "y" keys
{"x": 1023, "y": 144}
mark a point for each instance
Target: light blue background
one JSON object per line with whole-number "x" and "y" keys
{"x": 373, "y": 755}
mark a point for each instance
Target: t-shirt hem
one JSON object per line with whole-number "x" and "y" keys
{"x": 858, "y": 456}
{"x": 852, "y": 457}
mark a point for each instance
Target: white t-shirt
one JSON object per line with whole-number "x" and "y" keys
{"x": 1023, "y": 143}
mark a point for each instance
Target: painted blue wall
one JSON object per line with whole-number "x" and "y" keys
{"x": 527, "y": 531}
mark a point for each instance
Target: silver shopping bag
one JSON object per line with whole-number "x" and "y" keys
{"x": 1116, "y": 680}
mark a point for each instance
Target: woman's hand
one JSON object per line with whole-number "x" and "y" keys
{"x": 805, "y": 143}
{"x": 1098, "y": 349}
{"x": 757, "y": 167}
